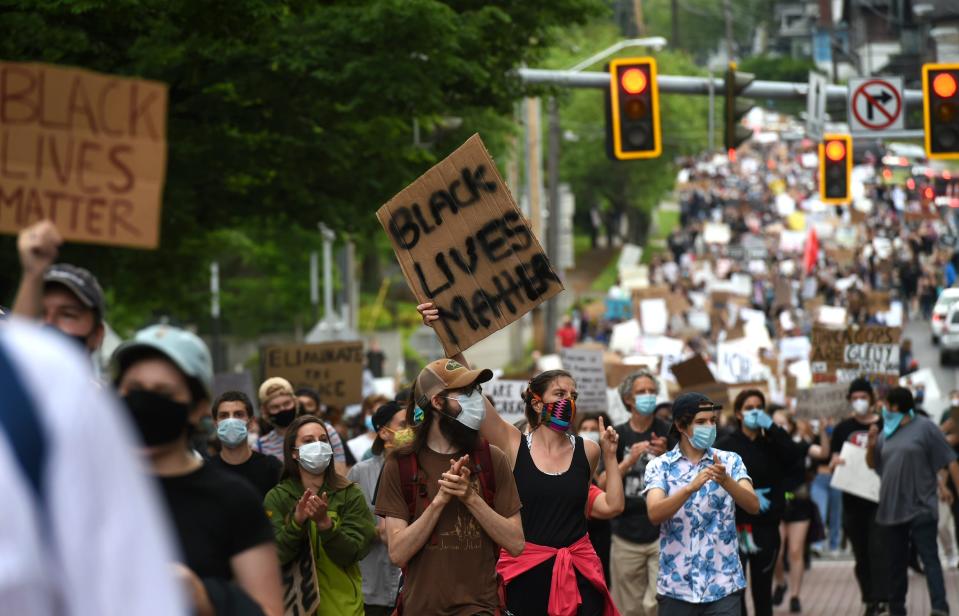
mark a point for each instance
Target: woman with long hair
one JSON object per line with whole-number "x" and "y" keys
{"x": 553, "y": 469}
{"x": 316, "y": 509}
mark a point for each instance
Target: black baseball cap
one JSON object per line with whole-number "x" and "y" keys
{"x": 80, "y": 282}
{"x": 384, "y": 414}
{"x": 687, "y": 405}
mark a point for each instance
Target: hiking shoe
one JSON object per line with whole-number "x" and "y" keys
{"x": 779, "y": 593}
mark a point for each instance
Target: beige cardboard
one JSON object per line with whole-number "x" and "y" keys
{"x": 822, "y": 401}
{"x": 334, "y": 369}
{"x": 84, "y": 150}
{"x": 464, "y": 245}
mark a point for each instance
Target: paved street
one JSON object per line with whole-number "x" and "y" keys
{"x": 928, "y": 356}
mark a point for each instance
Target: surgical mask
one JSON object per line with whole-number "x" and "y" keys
{"x": 645, "y": 403}
{"x": 401, "y": 437}
{"x": 472, "y": 409}
{"x": 159, "y": 419}
{"x": 283, "y": 418}
{"x": 368, "y": 422}
{"x": 860, "y": 406}
{"x": 315, "y": 457}
{"x": 753, "y": 419}
{"x": 231, "y": 432}
{"x": 703, "y": 437}
{"x": 955, "y": 402}
{"x": 590, "y": 436}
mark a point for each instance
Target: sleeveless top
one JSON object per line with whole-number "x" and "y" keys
{"x": 554, "y": 515}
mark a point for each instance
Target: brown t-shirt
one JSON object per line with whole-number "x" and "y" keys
{"x": 455, "y": 572}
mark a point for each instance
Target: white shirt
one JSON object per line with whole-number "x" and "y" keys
{"x": 102, "y": 546}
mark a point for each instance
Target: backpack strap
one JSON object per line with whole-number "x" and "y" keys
{"x": 19, "y": 421}
{"x": 483, "y": 463}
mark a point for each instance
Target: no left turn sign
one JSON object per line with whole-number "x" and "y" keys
{"x": 875, "y": 105}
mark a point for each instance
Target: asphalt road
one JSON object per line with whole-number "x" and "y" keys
{"x": 947, "y": 378}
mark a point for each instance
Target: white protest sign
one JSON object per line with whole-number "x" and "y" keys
{"x": 792, "y": 241}
{"x": 507, "y": 397}
{"x": 854, "y": 476}
{"x": 795, "y": 347}
{"x": 629, "y": 257}
{"x": 716, "y": 233}
{"x": 624, "y": 337}
{"x": 549, "y": 362}
{"x": 654, "y": 316}
{"x": 586, "y": 366}
{"x": 785, "y": 205}
{"x": 832, "y": 315}
{"x": 735, "y": 363}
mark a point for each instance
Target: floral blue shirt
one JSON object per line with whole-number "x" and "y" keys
{"x": 698, "y": 546}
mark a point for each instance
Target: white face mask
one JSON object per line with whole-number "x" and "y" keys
{"x": 860, "y": 406}
{"x": 472, "y": 409}
{"x": 315, "y": 457}
{"x": 590, "y": 436}
{"x": 955, "y": 402}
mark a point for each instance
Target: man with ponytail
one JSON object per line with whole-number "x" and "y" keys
{"x": 448, "y": 498}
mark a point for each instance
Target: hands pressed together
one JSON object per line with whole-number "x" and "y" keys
{"x": 455, "y": 483}
{"x": 313, "y": 507}
{"x": 716, "y": 472}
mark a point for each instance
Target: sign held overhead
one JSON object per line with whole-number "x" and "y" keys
{"x": 464, "y": 245}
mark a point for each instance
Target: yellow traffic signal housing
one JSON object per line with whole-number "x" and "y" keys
{"x": 835, "y": 169}
{"x": 634, "y": 125}
{"x": 940, "y": 109}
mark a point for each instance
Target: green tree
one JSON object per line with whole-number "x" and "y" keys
{"x": 282, "y": 113}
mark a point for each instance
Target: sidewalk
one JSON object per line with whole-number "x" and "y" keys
{"x": 829, "y": 589}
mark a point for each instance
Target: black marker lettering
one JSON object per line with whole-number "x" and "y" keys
{"x": 490, "y": 246}
{"x": 419, "y": 218}
{"x": 439, "y": 200}
{"x": 404, "y": 230}
{"x": 430, "y": 293}
{"x": 468, "y": 268}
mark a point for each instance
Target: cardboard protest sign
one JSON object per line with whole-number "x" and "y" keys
{"x": 842, "y": 355}
{"x": 822, "y": 401}
{"x": 629, "y": 256}
{"x": 464, "y": 245}
{"x": 334, "y": 369}
{"x": 84, "y": 150}
{"x": 586, "y": 366}
{"x": 624, "y": 337}
{"x": 507, "y": 397}
{"x": 854, "y": 475}
{"x": 694, "y": 375}
{"x": 654, "y": 316}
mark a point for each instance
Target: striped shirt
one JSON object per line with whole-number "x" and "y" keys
{"x": 272, "y": 444}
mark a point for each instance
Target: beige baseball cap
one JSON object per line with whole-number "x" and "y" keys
{"x": 445, "y": 374}
{"x": 273, "y": 387}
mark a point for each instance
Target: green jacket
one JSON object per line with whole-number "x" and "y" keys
{"x": 338, "y": 550}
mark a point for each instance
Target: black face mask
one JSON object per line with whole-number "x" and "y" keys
{"x": 80, "y": 341}
{"x": 462, "y": 438}
{"x": 159, "y": 419}
{"x": 283, "y": 418}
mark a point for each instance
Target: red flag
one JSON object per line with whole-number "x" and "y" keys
{"x": 811, "y": 254}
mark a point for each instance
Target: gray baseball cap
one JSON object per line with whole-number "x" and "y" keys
{"x": 80, "y": 282}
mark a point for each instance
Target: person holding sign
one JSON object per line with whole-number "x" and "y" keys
{"x": 859, "y": 514}
{"x": 908, "y": 456}
{"x": 65, "y": 297}
{"x": 692, "y": 491}
{"x": 165, "y": 376}
{"x": 767, "y": 452}
{"x": 448, "y": 498}
{"x": 635, "y": 547}
{"x": 317, "y": 514}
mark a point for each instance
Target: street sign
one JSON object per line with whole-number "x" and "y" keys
{"x": 816, "y": 106}
{"x": 876, "y": 105}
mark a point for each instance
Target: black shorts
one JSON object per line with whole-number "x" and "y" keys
{"x": 798, "y": 509}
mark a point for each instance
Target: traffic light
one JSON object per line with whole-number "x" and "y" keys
{"x": 835, "y": 169}
{"x": 940, "y": 109}
{"x": 633, "y": 126}
{"x": 735, "y": 133}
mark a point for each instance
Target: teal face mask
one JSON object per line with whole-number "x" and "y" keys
{"x": 756, "y": 419}
{"x": 891, "y": 421}
{"x": 645, "y": 403}
{"x": 703, "y": 437}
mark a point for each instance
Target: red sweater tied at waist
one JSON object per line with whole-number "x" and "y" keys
{"x": 564, "y": 597}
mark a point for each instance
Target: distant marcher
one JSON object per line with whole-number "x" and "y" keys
{"x": 232, "y": 417}
{"x": 567, "y": 335}
{"x": 375, "y": 359}
{"x": 360, "y": 444}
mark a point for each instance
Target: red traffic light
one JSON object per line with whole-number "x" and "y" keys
{"x": 835, "y": 150}
{"x": 928, "y": 193}
{"x": 634, "y": 81}
{"x": 944, "y": 85}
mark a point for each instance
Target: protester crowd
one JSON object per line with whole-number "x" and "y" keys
{"x": 433, "y": 502}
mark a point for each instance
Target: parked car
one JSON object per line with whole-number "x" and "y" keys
{"x": 941, "y": 310}
{"x": 949, "y": 339}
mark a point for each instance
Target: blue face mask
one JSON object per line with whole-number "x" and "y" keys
{"x": 231, "y": 432}
{"x": 645, "y": 403}
{"x": 756, "y": 419}
{"x": 891, "y": 421}
{"x": 703, "y": 437}
{"x": 368, "y": 422}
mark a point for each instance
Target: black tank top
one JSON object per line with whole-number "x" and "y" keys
{"x": 554, "y": 515}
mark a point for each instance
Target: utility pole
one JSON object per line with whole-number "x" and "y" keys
{"x": 215, "y": 314}
{"x": 638, "y": 15}
{"x": 711, "y": 129}
{"x": 674, "y": 5}
{"x": 315, "y": 284}
{"x": 728, "y": 16}
{"x": 553, "y": 221}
